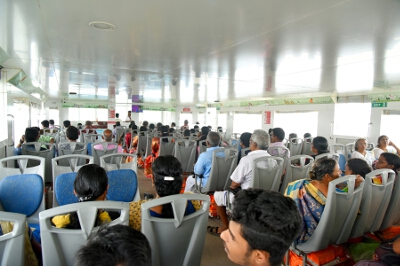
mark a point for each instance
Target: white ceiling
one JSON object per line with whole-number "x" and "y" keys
{"x": 224, "y": 50}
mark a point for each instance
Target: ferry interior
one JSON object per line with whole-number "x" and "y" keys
{"x": 329, "y": 68}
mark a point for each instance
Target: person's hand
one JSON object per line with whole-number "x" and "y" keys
{"x": 391, "y": 143}
{"x": 358, "y": 181}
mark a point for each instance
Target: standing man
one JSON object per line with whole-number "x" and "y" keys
{"x": 129, "y": 117}
{"x": 263, "y": 226}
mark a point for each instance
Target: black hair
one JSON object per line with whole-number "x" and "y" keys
{"x": 67, "y": 123}
{"x": 173, "y": 124}
{"x": 159, "y": 125}
{"x": 204, "y": 131}
{"x": 171, "y": 130}
{"x": 31, "y": 134}
{"x": 145, "y": 123}
{"x": 118, "y": 124}
{"x": 320, "y": 144}
{"x": 359, "y": 167}
{"x": 72, "y": 133}
{"x": 143, "y": 128}
{"x": 51, "y": 122}
{"x": 90, "y": 183}
{"x": 392, "y": 159}
{"x": 321, "y": 167}
{"x": 171, "y": 167}
{"x": 269, "y": 221}
{"x": 270, "y": 131}
{"x": 196, "y": 127}
{"x": 213, "y": 139}
{"x": 115, "y": 245}
{"x": 186, "y": 133}
{"x": 45, "y": 123}
{"x": 279, "y": 133}
{"x": 117, "y": 115}
{"x": 245, "y": 139}
{"x": 151, "y": 126}
{"x": 292, "y": 136}
{"x": 192, "y": 130}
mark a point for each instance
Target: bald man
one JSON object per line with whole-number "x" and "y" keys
{"x": 107, "y": 137}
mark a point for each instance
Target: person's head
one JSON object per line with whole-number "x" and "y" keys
{"x": 115, "y": 245}
{"x": 143, "y": 128}
{"x": 51, "y": 122}
{"x": 204, "y": 131}
{"x": 72, "y": 133}
{"x": 31, "y": 134}
{"x": 45, "y": 124}
{"x": 171, "y": 130}
{"x": 145, "y": 124}
{"x": 277, "y": 135}
{"x": 383, "y": 141}
{"x": 173, "y": 124}
{"x": 325, "y": 169}
{"x": 196, "y": 128}
{"x": 292, "y": 136}
{"x": 107, "y": 135}
{"x": 79, "y": 125}
{"x": 357, "y": 166}
{"x": 129, "y": 113}
{"x": 66, "y": 123}
{"x": 159, "y": 125}
{"x": 213, "y": 139}
{"x": 319, "y": 145}
{"x": 270, "y": 131}
{"x": 245, "y": 139}
{"x": 259, "y": 140}
{"x": 152, "y": 126}
{"x": 186, "y": 133}
{"x": 118, "y": 124}
{"x": 192, "y": 130}
{"x": 360, "y": 144}
{"x": 88, "y": 123}
{"x": 388, "y": 160}
{"x": 117, "y": 115}
{"x": 263, "y": 226}
{"x": 91, "y": 183}
{"x": 186, "y": 122}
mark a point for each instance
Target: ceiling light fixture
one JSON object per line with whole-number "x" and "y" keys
{"x": 100, "y": 25}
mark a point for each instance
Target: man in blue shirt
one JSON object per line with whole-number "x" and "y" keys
{"x": 203, "y": 165}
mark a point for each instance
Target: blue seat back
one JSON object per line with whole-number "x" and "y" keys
{"x": 64, "y": 189}
{"x": 21, "y": 193}
{"x": 342, "y": 163}
{"x": 122, "y": 185}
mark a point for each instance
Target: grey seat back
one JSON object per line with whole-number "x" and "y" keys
{"x": 392, "y": 215}
{"x": 285, "y": 142}
{"x": 349, "y": 150}
{"x": 306, "y": 150}
{"x": 106, "y": 148}
{"x": 297, "y": 167}
{"x": 224, "y": 162}
{"x": 142, "y": 143}
{"x": 267, "y": 172}
{"x": 202, "y": 146}
{"x": 46, "y": 154}
{"x": 185, "y": 152}
{"x": 336, "y": 221}
{"x": 166, "y": 146}
{"x": 25, "y": 164}
{"x": 62, "y": 137}
{"x": 72, "y": 150}
{"x": 60, "y": 245}
{"x": 190, "y": 230}
{"x": 74, "y": 163}
{"x": 244, "y": 151}
{"x": 375, "y": 200}
{"x": 295, "y": 146}
{"x": 282, "y": 152}
{"x": 12, "y": 245}
{"x": 119, "y": 131}
{"x": 334, "y": 156}
{"x": 90, "y": 138}
{"x": 339, "y": 149}
{"x": 149, "y": 140}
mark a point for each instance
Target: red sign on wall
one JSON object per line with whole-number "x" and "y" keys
{"x": 267, "y": 120}
{"x": 186, "y": 110}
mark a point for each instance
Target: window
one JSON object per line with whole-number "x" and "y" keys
{"x": 388, "y": 126}
{"x": 352, "y": 119}
{"x": 54, "y": 114}
{"x": 246, "y": 122}
{"x": 298, "y": 122}
{"x": 84, "y": 114}
{"x": 150, "y": 116}
{"x": 222, "y": 120}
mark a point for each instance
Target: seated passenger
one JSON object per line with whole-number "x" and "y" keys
{"x": 263, "y": 226}
{"x": 385, "y": 145}
{"x": 115, "y": 245}
{"x": 185, "y": 125}
{"x": 45, "y": 127}
{"x": 241, "y": 177}
{"x": 277, "y": 137}
{"x": 107, "y": 137}
{"x": 244, "y": 143}
{"x": 203, "y": 134}
{"x": 319, "y": 146}
{"x": 51, "y": 124}
{"x": 186, "y": 134}
{"x": 361, "y": 152}
{"x": 167, "y": 179}
{"x": 31, "y": 135}
{"x": 357, "y": 166}
{"x": 91, "y": 184}
{"x": 389, "y": 161}
{"x": 72, "y": 134}
{"x": 310, "y": 195}
{"x": 88, "y": 128}
{"x": 203, "y": 164}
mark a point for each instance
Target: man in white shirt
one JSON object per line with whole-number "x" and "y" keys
{"x": 241, "y": 177}
{"x": 129, "y": 117}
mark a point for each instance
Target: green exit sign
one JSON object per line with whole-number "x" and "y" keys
{"x": 377, "y": 105}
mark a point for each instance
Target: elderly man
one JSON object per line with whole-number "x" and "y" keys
{"x": 107, "y": 137}
{"x": 203, "y": 164}
{"x": 261, "y": 239}
{"x": 241, "y": 177}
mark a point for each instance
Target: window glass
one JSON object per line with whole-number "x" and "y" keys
{"x": 222, "y": 117}
{"x": 150, "y": 116}
{"x": 298, "y": 122}
{"x": 389, "y": 128}
{"x": 246, "y": 122}
{"x": 352, "y": 119}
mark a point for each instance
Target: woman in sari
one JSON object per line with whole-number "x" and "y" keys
{"x": 310, "y": 194}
